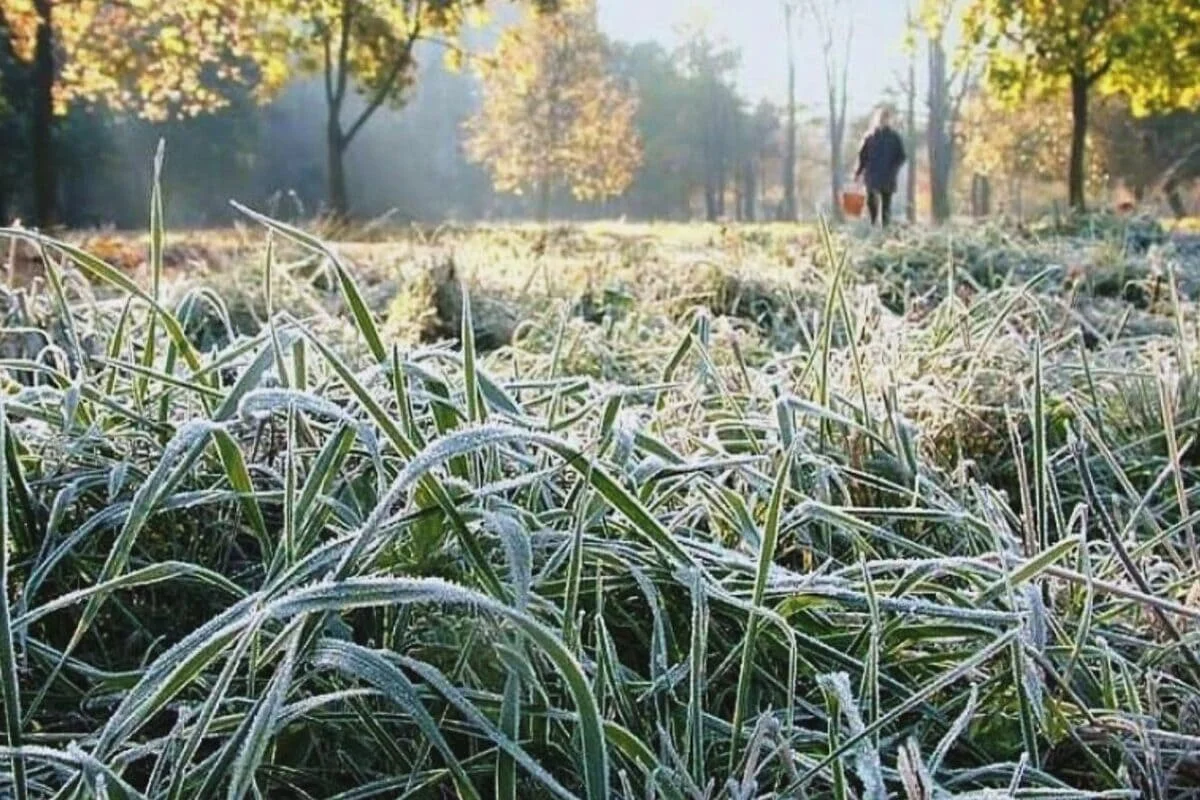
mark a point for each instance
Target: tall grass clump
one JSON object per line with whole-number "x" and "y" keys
{"x": 285, "y": 565}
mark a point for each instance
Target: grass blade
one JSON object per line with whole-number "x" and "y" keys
{"x": 10, "y": 687}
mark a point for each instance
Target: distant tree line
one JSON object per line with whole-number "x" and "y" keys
{"x": 385, "y": 123}
{"x": 416, "y": 108}
{"x": 1138, "y": 59}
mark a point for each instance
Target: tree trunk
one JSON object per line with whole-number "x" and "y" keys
{"x": 836, "y": 128}
{"x": 939, "y": 186}
{"x": 737, "y": 164}
{"x": 41, "y": 118}
{"x": 339, "y": 201}
{"x": 543, "y": 201}
{"x": 981, "y": 196}
{"x": 723, "y": 158}
{"x": 789, "y": 151}
{"x": 910, "y": 189}
{"x": 710, "y": 199}
{"x": 739, "y": 197}
{"x": 1174, "y": 199}
{"x": 722, "y": 184}
{"x": 838, "y": 93}
{"x": 710, "y": 146}
{"x": 1079, "y": 127}
{"x": 761, "y": 186}
{"x": 749, "y": 193}
{"x": 835, "y": 174}
{"x": 940, "y": 145}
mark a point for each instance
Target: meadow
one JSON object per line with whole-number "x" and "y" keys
{"x": 679, "y": 512}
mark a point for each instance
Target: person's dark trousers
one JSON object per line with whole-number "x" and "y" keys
{"x": 880, "y": 201}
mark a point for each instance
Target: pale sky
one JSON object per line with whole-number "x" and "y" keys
{"x": 756, "y": 26}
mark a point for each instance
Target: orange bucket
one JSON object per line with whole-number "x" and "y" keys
{"x": 852, "y": 202}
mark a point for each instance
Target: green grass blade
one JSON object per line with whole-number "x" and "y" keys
{"x": 476, "y": 410}
{"x": 10, "y": 687}
{"x": 374, "y": 668}
{"x": 355, "y": 593}
{"x": 239, "y": 479}
{"x": 510, "y": 721}
{"x": 921, "y": 696}
{"x": 766, "y": 560}
{"x": 361, "y": 313}
{"x": 261, "y": 724}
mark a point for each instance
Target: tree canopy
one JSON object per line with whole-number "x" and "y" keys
{"x": 1146, "y": 50}
{"x": 151, "y": 58}
{"x": 170, "y": 59}
{"x": 364, "y": 51}
{"x": 552, "y": 114}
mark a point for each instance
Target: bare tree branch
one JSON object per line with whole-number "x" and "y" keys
{"x": 343, "y": 57}
{"x": 328, "y": 49}
{"x": 1178, "y": 165}
{"x": 402, "y": 61}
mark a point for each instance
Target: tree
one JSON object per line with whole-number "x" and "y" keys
{"x": 908, "y": 87}
{"x": 663, "y": 183}
{"x": 1014, "y": 146}
{"x": 1155, "y": 153}
{"x": 552, "y": 114}
{"x": 709, "y": 63}
{"x": 153, "y": 58}
{"x": 758, "y": 145}
{"x": 1148, "y": 50}
{"x": 947, "y": 88}
{"x": 790, "y": 10}
{"x": 691, "y": 120}
{"x": 365, "y": 50}
{"x": 13, "y": 130}
{"x": 832, "y": 24}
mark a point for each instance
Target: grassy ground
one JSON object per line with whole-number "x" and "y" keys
{"x": 692, "y": 512}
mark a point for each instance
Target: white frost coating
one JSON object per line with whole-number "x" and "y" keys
{"x": 438, "y": 452}
{"x": 516, "y": 547}
{"x": 186, "y": 435}
{"x": 1034, "y": 630}
{"x": 628, "y": 425}
{"x": 647, "y": 468}
{"x": 623, "y": 441}
{"x": 261, "y": 403}
{"x": 918, "y": 783}
{"x": 956, "y": 730}
{"x": 866, "y": 758}
{"x": 1033, "y": 637}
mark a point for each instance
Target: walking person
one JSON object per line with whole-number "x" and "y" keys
{"x": 879, "y": 161}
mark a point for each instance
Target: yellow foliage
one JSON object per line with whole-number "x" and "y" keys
{"x": 153, "y": 58}
{"x": 163, "y": 58}
{"x": 368, "y": 43}
{"x": 551, "y": 114}
{"x": 1146, "y": 50}
{"x": 1031, "y": 141}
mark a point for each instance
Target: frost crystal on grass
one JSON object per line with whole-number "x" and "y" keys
{"x": 262, "y": 403}
{"x": 516, "y": 547}
{"x": 898, "y": 555}
{"x": 1034, "y": 628}
{"x": 867, "y": 764}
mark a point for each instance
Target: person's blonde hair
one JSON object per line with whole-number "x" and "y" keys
{"x": 883, "y": 116}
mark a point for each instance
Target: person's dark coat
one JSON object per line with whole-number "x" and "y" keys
{"x": 880, "y": 159}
